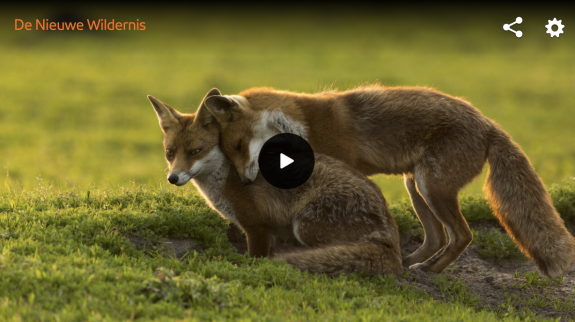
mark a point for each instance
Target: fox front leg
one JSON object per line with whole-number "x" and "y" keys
{"x": 258, "y": 241}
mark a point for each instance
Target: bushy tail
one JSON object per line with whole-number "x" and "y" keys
{"x": 375, "y": 255}
{"x": 523, "y": 206}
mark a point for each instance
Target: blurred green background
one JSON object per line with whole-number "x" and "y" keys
{"x": 74, "y": 110}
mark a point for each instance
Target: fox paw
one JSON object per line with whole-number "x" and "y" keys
{"x": 422, "y": 267}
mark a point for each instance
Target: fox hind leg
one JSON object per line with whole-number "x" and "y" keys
{"x": 443, "y": 202}
{"x": 435, "y": 237}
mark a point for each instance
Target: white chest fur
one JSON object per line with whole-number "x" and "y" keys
{"x": 211, "y": 185}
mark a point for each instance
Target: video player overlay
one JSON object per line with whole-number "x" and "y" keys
{"x": 286, "y": 161}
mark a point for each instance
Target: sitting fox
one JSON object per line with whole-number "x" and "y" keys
{"x": 340, "y": 215}
{"x": 437, "y": 142}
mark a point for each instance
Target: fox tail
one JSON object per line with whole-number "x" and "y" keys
{"x": 524, "y": 207}
{"x": 376, "y": 254}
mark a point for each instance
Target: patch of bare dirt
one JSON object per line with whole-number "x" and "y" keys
{"x": 500, "y": 284}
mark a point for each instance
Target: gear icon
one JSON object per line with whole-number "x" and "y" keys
{"x": 550, "y": 25}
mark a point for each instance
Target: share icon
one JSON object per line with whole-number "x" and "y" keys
{"x": 507, "y": 27}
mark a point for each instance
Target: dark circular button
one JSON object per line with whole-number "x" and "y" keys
{"x": 286, "y": 161}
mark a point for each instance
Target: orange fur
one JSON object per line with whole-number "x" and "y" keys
{"x": 439, "y": 143}
{"x": 338, "y": 214}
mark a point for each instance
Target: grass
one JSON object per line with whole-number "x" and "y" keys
{"x": 495, "y": 244}
{"x": 456, "y": 290}
{"x": 65, "y": 257}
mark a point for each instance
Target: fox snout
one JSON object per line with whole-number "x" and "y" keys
{"x": 179, "y": 180}
{"x": 173, "y": 179}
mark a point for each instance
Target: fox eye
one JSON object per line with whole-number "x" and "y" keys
{"x": 195, "y": 151}
{"x": 239, "y": 147}
{"x": 169, "y": 153}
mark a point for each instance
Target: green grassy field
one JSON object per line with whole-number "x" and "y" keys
{"x": 83, "y": 165}
{"x": 64, "y": 257}
{"x": 74, "y": 108}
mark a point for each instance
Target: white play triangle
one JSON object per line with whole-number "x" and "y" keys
{"x": 285, "y": 160}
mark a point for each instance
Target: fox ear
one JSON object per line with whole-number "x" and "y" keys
{"x": 167, "y": 115}
{"x": 222, "y": 108}
{"x": 203, "y": 115}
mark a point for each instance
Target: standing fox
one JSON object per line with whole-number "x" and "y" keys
{"x": 338, "y": 213}
{"x": 439, "y": 144}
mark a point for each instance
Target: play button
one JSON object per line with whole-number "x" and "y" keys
{"x": 286, "y": 161}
